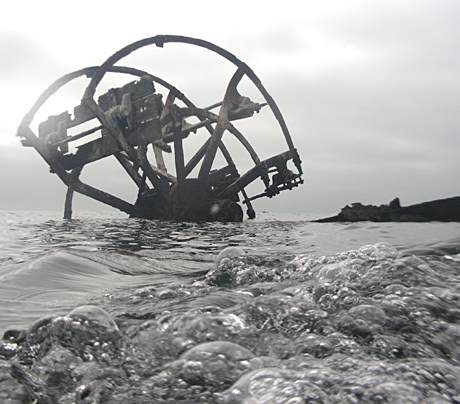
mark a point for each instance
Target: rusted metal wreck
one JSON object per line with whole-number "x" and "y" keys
{"x": 127, "y": 121}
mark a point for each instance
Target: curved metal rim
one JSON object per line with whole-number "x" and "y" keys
{"x": 89, "y": 71}
{"x": 96, "y": 73}
{"x": 160, "y": 40}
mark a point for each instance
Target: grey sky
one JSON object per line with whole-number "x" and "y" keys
{"x": 369, "y": 89}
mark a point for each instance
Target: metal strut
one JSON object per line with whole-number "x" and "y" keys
{"x": 126, "y": 120}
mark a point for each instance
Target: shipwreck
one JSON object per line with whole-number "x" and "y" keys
{"x": 137, "y": 125}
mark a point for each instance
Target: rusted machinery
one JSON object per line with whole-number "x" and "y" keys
{"x": 136, "y": 126}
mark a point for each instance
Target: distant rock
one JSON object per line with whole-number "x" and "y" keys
{"x": 442, "y": 210}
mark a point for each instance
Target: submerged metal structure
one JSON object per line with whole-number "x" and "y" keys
{"x": 126, "y": 121}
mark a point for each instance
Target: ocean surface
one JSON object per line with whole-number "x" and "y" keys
{"x": 103, "y": 308}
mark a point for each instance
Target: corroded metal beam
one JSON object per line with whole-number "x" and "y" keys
{"x": 133, "y": 116}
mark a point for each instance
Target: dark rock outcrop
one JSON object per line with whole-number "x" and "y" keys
{"x": 442, "y": 210}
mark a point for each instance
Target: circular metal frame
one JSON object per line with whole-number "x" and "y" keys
{"x": 169, "y": 189}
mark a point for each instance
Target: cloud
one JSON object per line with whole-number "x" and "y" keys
{"x": 25, "y": 60}
{"x": 17, "y": 52}
{"x": 369, "y": 90}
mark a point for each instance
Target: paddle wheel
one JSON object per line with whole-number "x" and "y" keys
{"x": 137, "y": 126}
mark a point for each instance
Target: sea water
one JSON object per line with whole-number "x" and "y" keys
{"x": 279, "y": 309}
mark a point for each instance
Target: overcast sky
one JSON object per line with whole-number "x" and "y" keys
{"x": 370, "y": 90}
